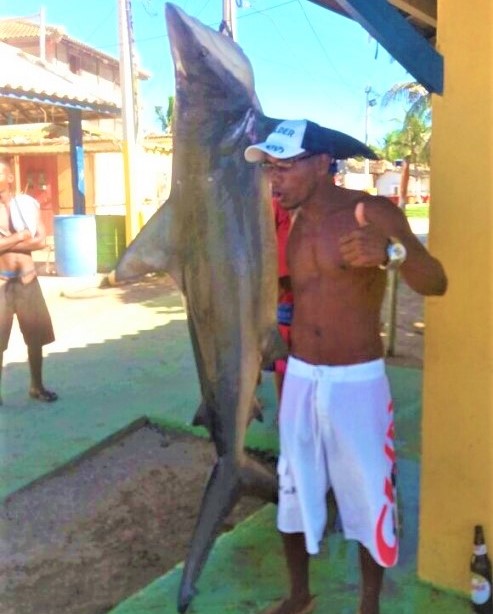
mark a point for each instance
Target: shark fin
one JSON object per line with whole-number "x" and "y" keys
{"x": 154, "y": 248}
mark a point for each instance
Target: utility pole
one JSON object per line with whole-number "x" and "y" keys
{"x": 369, "y": 102}
{"x": 129, "y": 149}
{"x": 42, "y": 33}
{"x": 228, "y": 24}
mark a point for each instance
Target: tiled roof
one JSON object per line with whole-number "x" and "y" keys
{"x": 15, "y": 29}
{"x": 25, "y": 29}
{"x": 28, "y": 78}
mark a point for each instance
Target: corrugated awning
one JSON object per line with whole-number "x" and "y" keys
{"x": 54, "y": 138}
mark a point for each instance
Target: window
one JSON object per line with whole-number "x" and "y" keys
{"x": 74, "y": 64}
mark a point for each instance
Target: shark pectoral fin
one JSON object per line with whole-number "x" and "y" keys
{"x": 221, "y": 494}
{"x": 274, "y": 347}
{"x": 203, "y": 417}
{"x": 257, "y": 412}
{"x": 258, "y": 481}
{"x": 154, "y": 248}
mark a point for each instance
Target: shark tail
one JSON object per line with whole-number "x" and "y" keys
{"x": 203, "y": 415}
{"x": 224, "y": 488}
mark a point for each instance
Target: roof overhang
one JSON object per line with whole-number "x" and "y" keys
{"x": 21, "y": 107}
{"x": 54, "y": 138}
{"x": 407, "y": 30}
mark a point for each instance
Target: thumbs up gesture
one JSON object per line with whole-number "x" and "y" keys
{"x": 359, "y": 215}
{"x": 365, "y": 246}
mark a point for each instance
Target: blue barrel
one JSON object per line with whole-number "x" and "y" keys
{"x": 75, "y": 245}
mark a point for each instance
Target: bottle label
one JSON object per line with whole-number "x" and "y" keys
{"x": 479, "y": 549}
{"x": 480, "y": 589}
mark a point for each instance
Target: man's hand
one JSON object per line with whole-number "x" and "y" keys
{"x": 365, "y": 246}
{"x": 24, "y": 235}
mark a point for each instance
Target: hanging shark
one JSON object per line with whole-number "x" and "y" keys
{"x": 215, "y": 236}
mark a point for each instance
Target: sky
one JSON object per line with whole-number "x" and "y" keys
{"x": 308, "y": 62}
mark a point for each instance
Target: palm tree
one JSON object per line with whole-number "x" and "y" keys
{"x": 412, "y": 141}
{"x": 414, "y": 95}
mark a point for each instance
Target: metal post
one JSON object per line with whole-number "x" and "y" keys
{"x": 392, "y": 284}
{"x": 128, "y": 117}
{"x": 42, "y": 33}
{"x": 229, "y": 19}
{"x": 77, "y": 160}
{"x": 369, "y": 102}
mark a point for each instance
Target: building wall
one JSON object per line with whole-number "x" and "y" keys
{"x": 457, "y": 426}
{"x": 65, "y": 196}
{"x": 154, "y": 172}
{"x": 65, "y": 203}
{"x": 102, "y": 74}
{"x": 387, "y": 184}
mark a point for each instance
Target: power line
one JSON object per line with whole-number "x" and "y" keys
{"x": 101, "y": 23}
{"x": 327, "y": 57}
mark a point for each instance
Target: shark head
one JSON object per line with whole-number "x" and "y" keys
{"x": 211, "y": 70}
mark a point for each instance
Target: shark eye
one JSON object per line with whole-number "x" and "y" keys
{"x": 203, "y": 53}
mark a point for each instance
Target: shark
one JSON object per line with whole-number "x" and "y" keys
{"x": 215, "y": 236}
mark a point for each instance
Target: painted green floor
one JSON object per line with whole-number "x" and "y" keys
{"x": 149, "y": 370}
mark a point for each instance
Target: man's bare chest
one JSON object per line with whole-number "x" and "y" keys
{"x": 317, "y": 245}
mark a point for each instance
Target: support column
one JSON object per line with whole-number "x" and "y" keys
{"x": 77, "y": 160}
{"x": 457, "y": 427}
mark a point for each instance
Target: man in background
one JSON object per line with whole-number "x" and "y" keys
{"x": 21, "y": 232}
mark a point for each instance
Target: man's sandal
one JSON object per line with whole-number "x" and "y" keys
{"x": 281, "y": 607}
{"x": 47, "y": 396}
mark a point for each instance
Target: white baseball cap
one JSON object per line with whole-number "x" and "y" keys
{"x": 285, "y": 142}
{"x": 293, "y": 137}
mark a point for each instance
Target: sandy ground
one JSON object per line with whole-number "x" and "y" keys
{"x": 82, "y": 541}
{"x": 85, "y": 539}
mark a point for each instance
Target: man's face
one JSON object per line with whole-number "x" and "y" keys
{"x": 6, "y": 177}
{"x": 294, "y": 180}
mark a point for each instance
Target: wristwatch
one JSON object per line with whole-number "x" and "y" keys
{"x": 396, "y": 255}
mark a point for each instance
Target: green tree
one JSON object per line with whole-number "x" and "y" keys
{"x": 166, "y": 120}
{"x": 409, "y": 142}
{"x": 391, "y": 148}
{"x": 415, "y": 96}
{"x": 412, "y": 141}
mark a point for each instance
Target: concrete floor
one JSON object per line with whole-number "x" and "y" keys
{"x": 123, "y": 353}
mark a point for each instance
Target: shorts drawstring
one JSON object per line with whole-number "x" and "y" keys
{"x": 316, "y": 429}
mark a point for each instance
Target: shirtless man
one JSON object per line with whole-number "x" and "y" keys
{"x": 20, "y": 292}
{"x": 336, "y": 417}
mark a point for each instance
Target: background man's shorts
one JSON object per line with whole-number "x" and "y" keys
{"x": 26, "y": 301}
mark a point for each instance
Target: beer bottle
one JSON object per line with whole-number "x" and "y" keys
{"x": 481, "y": 597}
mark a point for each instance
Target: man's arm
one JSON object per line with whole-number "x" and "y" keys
{"x": 29, "y": 243}
{"x": 379, "y": 221}
{"x": 9, "y": 243}
{"x": 32, "y": 243}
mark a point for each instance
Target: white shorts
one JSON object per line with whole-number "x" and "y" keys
{"x": 337, "y": 431}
